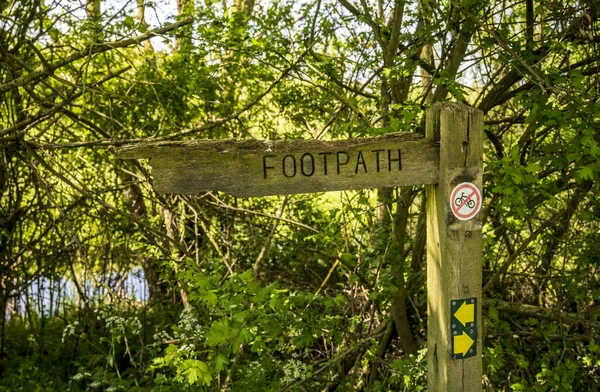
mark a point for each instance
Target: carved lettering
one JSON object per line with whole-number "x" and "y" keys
{"x": 265, "y": 167}
{"x": 285, "y": 165}
{"x": 324, "y": 154}
{"x": 311, "y": 166}
{"x": 360, "y": 161}
{"x": 339, "y": 162}
{"x": 377, "y": 158}
{"x": 390, "y": 160}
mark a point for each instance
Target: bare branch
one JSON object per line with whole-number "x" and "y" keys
{"x": 42, "y": 115}
{"x": 539, "y": 312}
{"x": 88, "y": 51}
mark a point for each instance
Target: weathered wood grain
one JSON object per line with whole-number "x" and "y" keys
{"x": 262, "y": 168}
{"x": 454, "y": 247}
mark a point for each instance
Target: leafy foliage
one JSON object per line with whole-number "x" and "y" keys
{"x": 300, "y": 292}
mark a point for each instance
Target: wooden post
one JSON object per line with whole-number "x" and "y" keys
{"x": 454, "y": 250}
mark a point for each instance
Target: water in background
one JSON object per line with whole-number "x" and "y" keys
{"x": 48, "y": 296}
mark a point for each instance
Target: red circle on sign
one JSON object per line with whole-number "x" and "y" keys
{"x": 469, "y": 191}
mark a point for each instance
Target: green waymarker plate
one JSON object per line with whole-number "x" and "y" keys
{"x": 463, "y": 327}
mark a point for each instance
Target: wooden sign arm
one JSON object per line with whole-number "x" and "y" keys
{"x": 262, "y": 168}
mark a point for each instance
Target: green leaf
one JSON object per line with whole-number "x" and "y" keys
{"x": 210, "y": 298}
{"x": 219, "y": 332}
{"x": 196, "y": 369}
{"x": 493, "y": 313}
{"x": 585, "y": 173}
{"x": 221, "y": 362}
{"x": 244, "y": 336}
{"x": 192, "y": 375}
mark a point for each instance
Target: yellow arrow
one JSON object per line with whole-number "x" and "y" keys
{"x": 465, "y": 314}
{"x": 462, "y": 344}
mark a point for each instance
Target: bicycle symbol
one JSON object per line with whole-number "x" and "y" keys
{"x": 460, "y": 200}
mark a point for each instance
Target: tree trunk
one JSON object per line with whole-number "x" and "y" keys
{"x": 141, "y": 16}
{"x": 183, "y": 42}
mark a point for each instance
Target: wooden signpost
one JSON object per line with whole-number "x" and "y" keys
{"x": 454, "y": 251}
{"x": 449, "y": 160}
{"x": 263, "y": 168}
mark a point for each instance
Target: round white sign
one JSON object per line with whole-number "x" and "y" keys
{"x": 465, "y": 201}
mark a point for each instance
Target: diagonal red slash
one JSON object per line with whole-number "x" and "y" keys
{"x": 465, "y": 202}
{"x": 475, "y": 193}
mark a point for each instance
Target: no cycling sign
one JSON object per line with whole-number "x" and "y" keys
{"x": 465, "y": 201}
